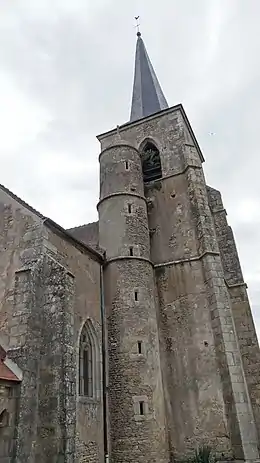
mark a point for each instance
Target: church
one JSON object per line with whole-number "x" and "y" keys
{"x": 130, "y": 339}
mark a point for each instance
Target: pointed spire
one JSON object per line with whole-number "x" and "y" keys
{"x": 148, "y": 97}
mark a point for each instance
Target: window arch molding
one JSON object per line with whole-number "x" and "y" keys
{"x": 151, "y": 160}
{"x": 151, "y": 140}
{"x": 89, "y": 362}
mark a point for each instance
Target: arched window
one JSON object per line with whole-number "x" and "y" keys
{"x": 88, "y": 361}
{"x": 151, "y": 162}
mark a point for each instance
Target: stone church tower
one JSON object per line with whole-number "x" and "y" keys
{"x": 130, "y": 339}
{"x": 172, "y": 274}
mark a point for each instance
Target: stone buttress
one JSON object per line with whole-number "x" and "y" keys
{"x": 205, "y": 385}
{"x": 43, "y": 346}
{"x": 241, "y": 310}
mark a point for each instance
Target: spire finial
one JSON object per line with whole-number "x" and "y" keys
{"x": 137, "y": 26}
{"x": 118, "y": 138}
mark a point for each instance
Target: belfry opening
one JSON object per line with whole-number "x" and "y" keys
{"x": 151, "y": 162}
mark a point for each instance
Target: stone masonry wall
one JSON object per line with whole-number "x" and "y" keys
{"x": 136, "y": 401}
{"x": 43, "y": 347}
{"x": 134, "y": 376}
{"x": 192, "y": 381}
{"x": 57, "y": 367}
{"x": 48, "y": 288}
{"x": 195, "y": 404}
{"x": 9, "y": 397}
{"x": 192, "y": 291}
{"x": 86, "y": 272}
{"x": 241, "y": 310}
{"x": 237, "y": 400}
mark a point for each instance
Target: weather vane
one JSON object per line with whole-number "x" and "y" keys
{"x": 137, "y": 25}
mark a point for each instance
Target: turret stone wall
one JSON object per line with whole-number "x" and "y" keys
{"x": 136, "y": 400}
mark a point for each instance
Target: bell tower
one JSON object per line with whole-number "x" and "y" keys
{"x": 178, "y": 377}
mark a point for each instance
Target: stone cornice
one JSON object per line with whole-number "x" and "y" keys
{"x": 188, "y": 259}
{"x": 118, "y": 258}
{"x": 122, "y": 193}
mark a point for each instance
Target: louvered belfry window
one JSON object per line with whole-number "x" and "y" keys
{"x": 151, "y": 163}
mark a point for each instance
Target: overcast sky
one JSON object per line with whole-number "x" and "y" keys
{"x": 66, "y": 71}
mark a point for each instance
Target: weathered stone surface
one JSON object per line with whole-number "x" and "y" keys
{"x": 137, "y": 432}
{"x": 242, "y": 315}
{"x": 181, "y": 353}
{"x": 207, "y": 388}
{"x": 48, "y": 290}
{"x": 87, "y": 233}
{"x": 9, "y": 399}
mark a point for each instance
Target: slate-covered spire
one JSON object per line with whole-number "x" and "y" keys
{"x": 148, "y": 97}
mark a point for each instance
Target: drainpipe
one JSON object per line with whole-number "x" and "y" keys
{"x": 104, "y": 367}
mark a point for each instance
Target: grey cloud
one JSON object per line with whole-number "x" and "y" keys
{"x": 75, "y": 61}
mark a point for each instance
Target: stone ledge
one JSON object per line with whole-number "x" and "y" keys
{"x": 175, "y": 174}
{"x": 88, "y": 401}
{"x": 236, "y": 285}
{"x": 119, "y": 144}
{"x": 114, "y": 259}
{"x": 122, "y": 193}
{"x": 188, "y": 259}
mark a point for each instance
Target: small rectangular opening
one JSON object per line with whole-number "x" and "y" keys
{"x": 141, "y": 407}
{"x": 139, "y": 346}
{"x": 136, "y": 295}
{"x": 131, "y": 251}
{"x": 129, "y": 208}
{"x": 126, "y": 165}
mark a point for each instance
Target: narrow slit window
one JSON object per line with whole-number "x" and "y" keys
{"x": 131, "y": 251}
{"x": 139, "y": 346}
{"x": 129, "y": 208}
{"x": 136, "y": 295}
{"x": 126, "y": 165}
{"x": 141, "y": 407}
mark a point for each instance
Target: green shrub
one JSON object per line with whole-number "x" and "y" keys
{"x": 202, "y": 455}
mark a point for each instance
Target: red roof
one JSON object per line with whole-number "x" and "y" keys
{"x": 5, "y": 372}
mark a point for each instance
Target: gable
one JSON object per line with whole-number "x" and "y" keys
{"x": 7, "y": 197}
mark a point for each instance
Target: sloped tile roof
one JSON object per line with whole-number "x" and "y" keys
{"x": 6, "y": 372}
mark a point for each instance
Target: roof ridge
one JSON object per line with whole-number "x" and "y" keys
{"x": 53, "y": 225}
{"x": 20, "y": 200}
{"x": 81, "y": 226}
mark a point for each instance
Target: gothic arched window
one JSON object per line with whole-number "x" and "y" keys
{"x": 88, "y": 362}
{"x": 151, "y": 162}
